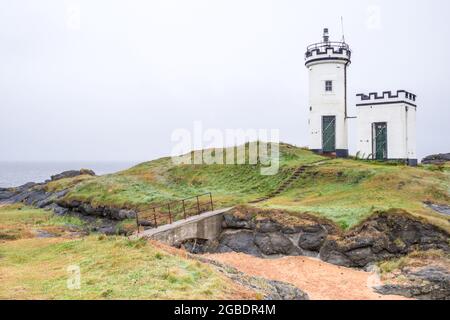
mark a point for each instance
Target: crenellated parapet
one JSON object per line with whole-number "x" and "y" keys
{"x": 386, "y": 97}
{"x": 332, "y": 51}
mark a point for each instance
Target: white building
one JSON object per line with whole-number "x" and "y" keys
{"x": 387, "y": 126}
{"x": 327, "y": 63}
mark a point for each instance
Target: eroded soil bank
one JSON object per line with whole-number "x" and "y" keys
{"x": 268, "y": 235}
{"x": 274, "y": 233}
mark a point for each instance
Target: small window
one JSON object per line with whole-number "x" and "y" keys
{"x": 328, "y": 86}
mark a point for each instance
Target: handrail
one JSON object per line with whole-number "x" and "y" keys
{"x": 171, "y": 204}
{"x": 330, "y": 44}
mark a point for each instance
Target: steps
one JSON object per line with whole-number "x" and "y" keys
{"x": 288, "y": 182}
{"x": 285, "y": 185}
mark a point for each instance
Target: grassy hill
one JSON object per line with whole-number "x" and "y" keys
{"x": 343, "y": 190}
{"x": 348, "y": 191}
{"x": 158, "y": 181}
{"x": 36, "y": 267}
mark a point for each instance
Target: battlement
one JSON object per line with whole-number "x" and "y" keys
{"x": 320, "y": 52}
{"x": 386, "y": 97}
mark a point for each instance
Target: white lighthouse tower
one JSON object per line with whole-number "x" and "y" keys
{"x": 327, "y": 63}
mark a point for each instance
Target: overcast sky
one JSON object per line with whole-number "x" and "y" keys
{"x": 110, "y": 80}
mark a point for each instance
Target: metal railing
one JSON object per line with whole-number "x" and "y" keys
{"x": 329, "y": 44}
{"x": 170, "y": 211}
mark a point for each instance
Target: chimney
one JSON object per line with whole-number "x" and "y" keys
{"x": 326, "y": 37}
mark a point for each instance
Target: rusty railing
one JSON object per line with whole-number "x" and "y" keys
{"x": 175, "y": 210}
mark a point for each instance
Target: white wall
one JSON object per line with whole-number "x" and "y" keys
{"x": 401, "y": 127}
{"x": 411, "y": 132}
{"x": 327, "y": 103}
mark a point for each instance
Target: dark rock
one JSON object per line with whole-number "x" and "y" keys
{"x": 436, "y": 158}
{"x": 331, "y": 254}
{"x": 223, "y": 249}
{"x": 233, "y": 222}
{"x": 240, "y": 241}
{"x": 360, "y": 256}
{"x": 61, "y": 193}
{"x": 273, "y": 243}
{"x": 287, "y": 292}
{"x": 60, "y": 211}
{"x": 442, "y": 209}
{"x": 72, "y": 173}
{"x": 429, "y": 283}
{"x": 44, "y": 202}
{"x": 289, "y": 230}
{"x": 145, "y": 223}
{"x": 127, "y": 214}
{"x": 312, "y": 238}
{"x": 86, "y": 208}
{"x": 384, "y": 236}
{"x": 108, "y": 230}
{"x": 266, "y": 226}
{"x": 25, "y": 186}
{"x": 198, "y": 246}
{"x": 6, "y": 194}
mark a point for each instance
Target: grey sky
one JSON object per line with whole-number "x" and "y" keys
{"x": 116, "y": 83}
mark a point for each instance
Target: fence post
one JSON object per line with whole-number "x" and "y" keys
{"x": 170, "y": 214}
{"x": 184, "y": 210}
{"x": 210, "y": 199}
{"x": 198, "y": 206}
{"x": 154, "y": 217}
{"x": 137, "y": 222}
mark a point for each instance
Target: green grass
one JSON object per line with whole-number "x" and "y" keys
{"x": 110, "y": 267}
{"x": 158, "y": 181}
{"x": 344, "y": 190}
{"x": 19, "y": 221}
{"x": 349, "y": 191}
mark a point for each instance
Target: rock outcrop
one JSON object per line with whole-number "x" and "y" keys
{"x": 429, "y": 283}
{"x": 72, "y": 174}
{"x": 266, "y": 237}
{"x": 384, "y": 236}
{"x": 437, "y": 158}
{"x": 100, "y": 211}
{"x": 36, "y": 194}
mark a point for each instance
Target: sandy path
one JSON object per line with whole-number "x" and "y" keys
{"x": 322, "y": 281}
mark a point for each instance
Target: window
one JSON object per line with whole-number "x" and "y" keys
{"x": 328, "y": 86}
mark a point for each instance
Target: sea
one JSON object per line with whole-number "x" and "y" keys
{"x": 13, "y": 174}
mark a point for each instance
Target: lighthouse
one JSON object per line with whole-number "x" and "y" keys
{"x": 327, "y": 64}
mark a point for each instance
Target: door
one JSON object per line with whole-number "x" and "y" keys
{"x": 380, "y": 140}
{"x": 329, "y": 134}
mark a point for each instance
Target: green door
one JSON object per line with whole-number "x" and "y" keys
{"x": 380, "y": 140}
{"x": 328, "y": 133}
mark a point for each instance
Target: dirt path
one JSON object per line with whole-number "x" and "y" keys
{"x": 321, "y": 280}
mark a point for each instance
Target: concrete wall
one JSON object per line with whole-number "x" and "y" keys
{"x": 206, "y": 226}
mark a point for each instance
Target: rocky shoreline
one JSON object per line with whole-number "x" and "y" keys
{"x": 101, "y": 219}
{"x": 249, "y": 230}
